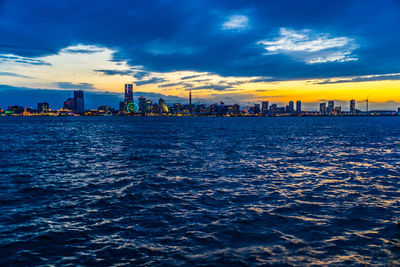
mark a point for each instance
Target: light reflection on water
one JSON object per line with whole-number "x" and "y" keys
{"x": 199, "y": 191}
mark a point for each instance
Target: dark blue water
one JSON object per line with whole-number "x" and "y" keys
{"x": 199, "y": 191}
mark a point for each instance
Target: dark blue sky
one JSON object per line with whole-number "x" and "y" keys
{"x": 283, "y": 40}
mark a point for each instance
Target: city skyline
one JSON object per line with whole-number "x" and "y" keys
{"x": 237, "y": 52}
{"x": 145, "y": 107}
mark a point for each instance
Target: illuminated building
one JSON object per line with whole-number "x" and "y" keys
{"x": 163, "y": 108}
{"x": 148, "y": 106}
{"x": 291, "y": 107}
{"x": 69, "y": 104}
{"x": 43, "y": 107}
{"x": 79, "y": 103}
{"x": 298, "y": 106}
{"x": 128, "y": 93}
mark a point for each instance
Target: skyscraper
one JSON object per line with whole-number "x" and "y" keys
{"x": 352, "y": 106}
{"x": 69, "y": 103}
{"x": 142, "y": 104}
{"x": 43, "y": 107}
{"x": 322, "y": 108}
{"x": 162, "y": 105}
{"x": 264, "y": 107}
{"x": 331, "y": 106}
{"x": 291, "y": 107}
{"x": 298, "y": 106}
{"x": 190, "y": 101}
{"x": 257, "y": 109}
{"x": 79, "y": 103}
{"x": 128, "y": 93}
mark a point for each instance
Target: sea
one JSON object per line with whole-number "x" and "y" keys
{"x": 199, "y": 191}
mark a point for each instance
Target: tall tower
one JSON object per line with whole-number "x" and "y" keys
{"x": 298, "y": 106}
{"x": 79, "y": 103}
{"x": 190, "y": 101}
{"x": 128, "y": 93}
{"x": 352, "y": 106}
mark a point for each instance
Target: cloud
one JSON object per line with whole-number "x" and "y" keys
{"x": 3, "y": 73}
{"x": 174, "y": 84}
{"x": 75, "y": 86}
{"x": 164, "y": 38}
{"x": 369, "y": 78}
{"x": 310, "y": 46}
{"x": 115, "y": 72}
{"x": 236, "y": 22}
{"x": 82, "y": 49}
{"x": 24, "y": 60}
{"x": 150, "y": 81}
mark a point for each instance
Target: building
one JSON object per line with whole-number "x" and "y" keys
{"x": 322, "y": 108}
{"x": 264, "y": 107}
{"x": 148, "y": 106}
{"x": 163, "y": 107}
{"x": 69, "y": 104}
{"x": 190, "y": 101}
{"x": 236, "y": 109}
{"x": 128, "y": 93}
{"x": 331, "y": 106}
{"x": 257, "y": 109}
{"x": 273, "y": 108}
{"x": 43, "y": 107}
{"x": 142, "y": 104}
{"x": 290, "y": 108}
{"x": 79, "y": 102}
{"x": 298, "y": 106}
{"x": 352, "y": 106}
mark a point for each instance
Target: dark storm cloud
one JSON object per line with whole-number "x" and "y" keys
{"x": 171, "y": 36}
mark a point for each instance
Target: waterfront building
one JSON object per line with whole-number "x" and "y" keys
{"x": 69, "y": 104}
{"x": 163, "y": 107}
{"x": 331, "y": 106}
{"x": 264, "y": 107}
{"x": 298, "y": 106}
{"x": 290, "y": 107}
{"x": 273, "y": 108}
{"x": 235, "y": 109}
{"x": 142, "y": 104}
{"x": 128, "y": 93}
{"x": 79, "y": 103}
{"x": 322, "y": 108}
{"x": 148, "y": 106}
{"x": 43, "y": 107}
{"x": 257, "y": 109}
{"x": 190, "y": 101}
{"x": 352, "y": 106}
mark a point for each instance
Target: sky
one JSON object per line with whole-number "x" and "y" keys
{"x": 233, "y": 51}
